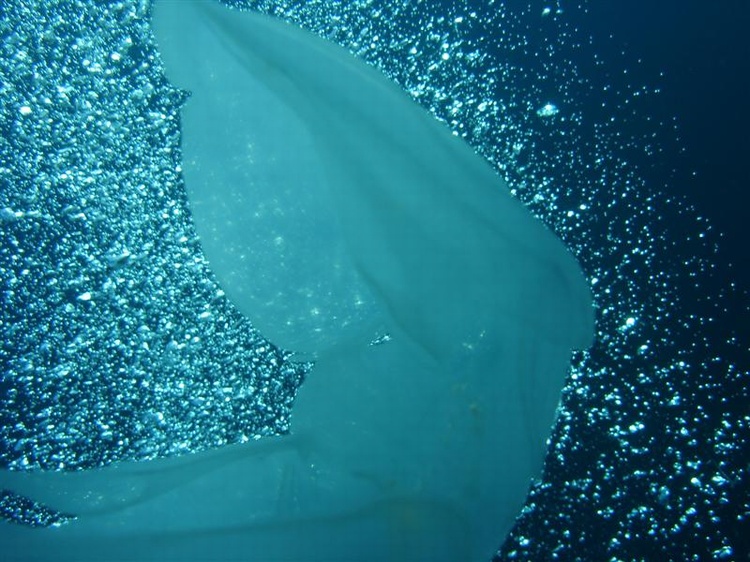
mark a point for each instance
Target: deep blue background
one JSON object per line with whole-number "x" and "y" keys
{"x": 697, "y": 53}
{"x": 704, "y": 51}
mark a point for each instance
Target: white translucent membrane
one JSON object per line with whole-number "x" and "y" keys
{"x": 334, "y": 210}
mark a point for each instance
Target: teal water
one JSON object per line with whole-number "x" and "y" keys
{"x": 119, "y": 344}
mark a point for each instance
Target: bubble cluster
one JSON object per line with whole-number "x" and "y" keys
{"x": 117, "y": 342}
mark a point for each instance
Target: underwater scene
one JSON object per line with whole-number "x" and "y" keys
{"x": 374, "y": 280}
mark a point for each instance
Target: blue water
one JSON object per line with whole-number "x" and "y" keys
{"x": 642, "y": 169}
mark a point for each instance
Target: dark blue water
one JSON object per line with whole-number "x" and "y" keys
{"x": 638, "y": 498}
{"x": 704, "y": 55}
